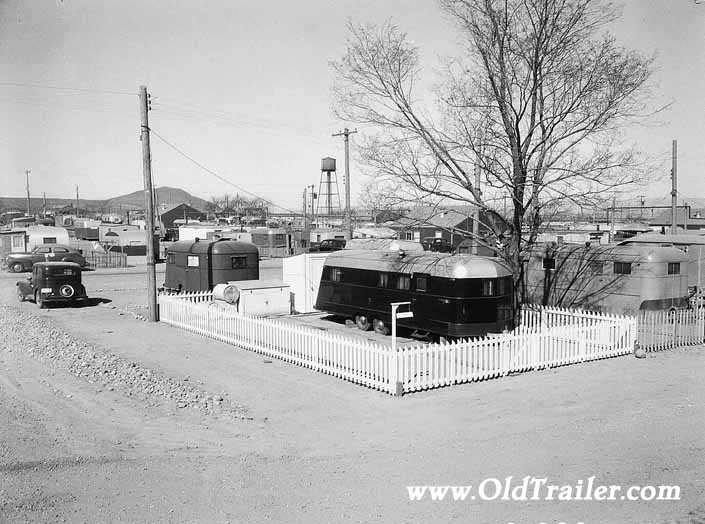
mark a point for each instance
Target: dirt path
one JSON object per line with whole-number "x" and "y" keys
{"x": 315, "y": 449}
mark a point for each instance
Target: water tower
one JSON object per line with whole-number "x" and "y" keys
{"x": 328, "y": 203}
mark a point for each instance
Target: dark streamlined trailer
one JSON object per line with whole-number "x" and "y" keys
{"x": 452, "y": 296}
{"x": 200, "y": 265}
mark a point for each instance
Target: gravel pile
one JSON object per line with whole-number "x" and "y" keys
{"x": 41, "y": 338}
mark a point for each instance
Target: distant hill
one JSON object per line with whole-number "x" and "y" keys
{"x": 165, "y": 195}
{"x": 37, "y": 204}
{"x": 693, "y": 202}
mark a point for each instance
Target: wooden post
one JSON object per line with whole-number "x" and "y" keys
{"x": 153, "y": 314}
{"x": 674, "y": 187}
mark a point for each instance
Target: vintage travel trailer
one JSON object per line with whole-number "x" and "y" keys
{"x": 200, "y": 265}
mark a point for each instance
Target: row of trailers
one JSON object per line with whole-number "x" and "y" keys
{"x": 456, "y": 296}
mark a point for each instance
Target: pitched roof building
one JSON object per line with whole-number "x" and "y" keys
{"x": 168, "y": 214}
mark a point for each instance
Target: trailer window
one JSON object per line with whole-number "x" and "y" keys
{"x": 404, "y": 282}
{"x": 503, "y": 286}
{"x": 336, "y": 274}
{"x": 674, "y": 268}
{"x": 383, "y": 280}
{"x": 170, "y": 258}
{"x": 49, "y": 240}
{"x": 488, "y": 287}
{"x": 238, "y": 262}
{"x": 622, "y": 268}
{"x": 192, "y": 261}
{"x": 421, "y": 283}
{"x": 549, "y": 263}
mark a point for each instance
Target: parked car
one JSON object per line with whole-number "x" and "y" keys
{"x": 19, "y": 262}
{"x": 329, "y": 244}
{"x": 52, "y": 282}
{"x": 438, "y": 245}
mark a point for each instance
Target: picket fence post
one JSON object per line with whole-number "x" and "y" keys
{"x": 396, "y": 388}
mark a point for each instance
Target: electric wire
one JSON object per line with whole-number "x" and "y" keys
{"x": 282, "y": 131}
{"x": 211, "y": 172}
{"x": 66, "y": 88}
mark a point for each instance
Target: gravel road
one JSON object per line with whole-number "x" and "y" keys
{"x": 107, "y": 418}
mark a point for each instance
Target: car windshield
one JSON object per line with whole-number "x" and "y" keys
{"x": 62, "y": 271}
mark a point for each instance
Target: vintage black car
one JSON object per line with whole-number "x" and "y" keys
{"x": 437, "y": 245}
{"x": 329, "y": 244}
{"x": 52, "y": 282}
{"x": 18, "y": 262}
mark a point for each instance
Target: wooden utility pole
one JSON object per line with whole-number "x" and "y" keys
{"x": 44, "y": 204}
{"x": 77, "y": 213}
{"x": 612, "y": 218}
{"x": 674, "y": 186}
{"x": 476, "y": 213}
{"x": 149, "y": 205}
{"x": 348, "y": 212}
{"x": 27, "y": 172}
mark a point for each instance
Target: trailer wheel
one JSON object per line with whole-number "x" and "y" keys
{"x": 380, "y": 327}
{"x": 363, "y": 322}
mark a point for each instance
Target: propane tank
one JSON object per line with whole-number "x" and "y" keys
{"x": 226, "y": 292}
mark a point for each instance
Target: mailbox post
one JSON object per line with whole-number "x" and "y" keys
{"x": 398, "y": 385}
{"x": 398, "y": 314}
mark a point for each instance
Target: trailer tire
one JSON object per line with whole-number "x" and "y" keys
{"x": 363, "y": 322}
{"x": 380, "y": 327}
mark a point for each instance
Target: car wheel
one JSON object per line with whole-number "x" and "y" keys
{"x": 380, "y": 327}
{"x": 17, "y": 267}
{"x": 20, "y": 295}
{"x": 362, "y": 322}
{"x": 39, "y": 300}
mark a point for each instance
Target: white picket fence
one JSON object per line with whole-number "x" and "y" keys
{"x": 659, "y": 330}
{"x": 349, "y": 358}
{"x": 548, "y": 337}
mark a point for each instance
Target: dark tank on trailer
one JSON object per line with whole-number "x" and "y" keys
{"x": 200, "y": 265}
{"x": 452, "y": 296}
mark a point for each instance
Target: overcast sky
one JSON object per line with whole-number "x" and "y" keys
{"x": 243, "y": 88}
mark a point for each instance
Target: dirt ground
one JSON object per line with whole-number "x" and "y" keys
{"x": 313, "y": 449}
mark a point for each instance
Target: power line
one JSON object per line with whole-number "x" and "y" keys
{"x": 223, "y": 118}
{"x": 211, "y": 172}
{"x": 262, "y": 128}
{"x": 65, "y": 88}
{"x": 115, "y": 111}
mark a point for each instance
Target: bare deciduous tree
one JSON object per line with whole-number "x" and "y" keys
{"x": 534, "y": 107}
